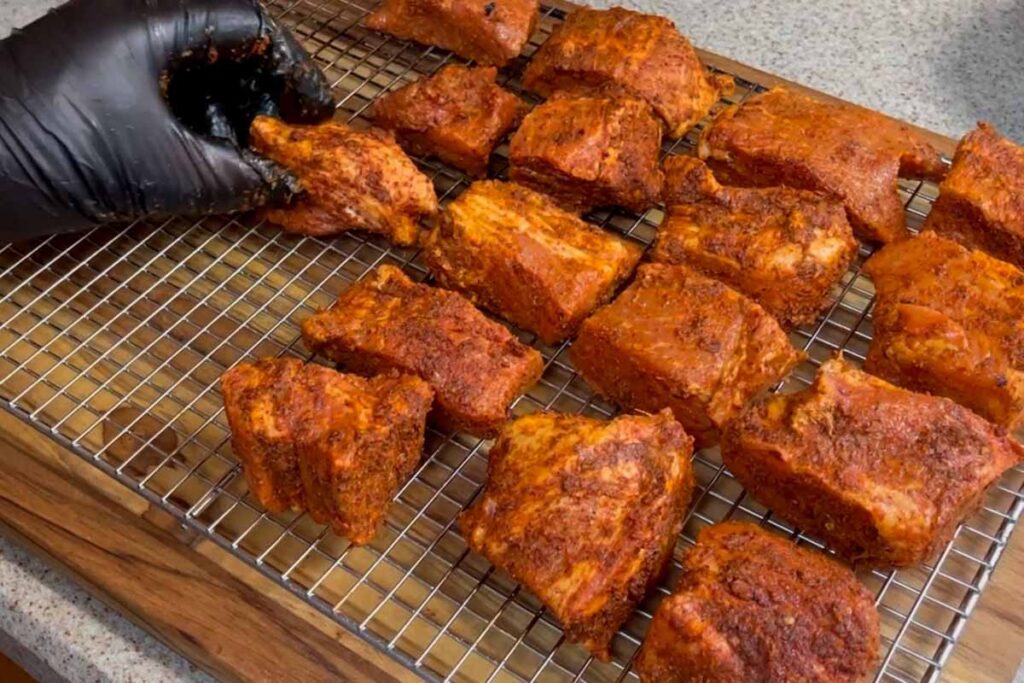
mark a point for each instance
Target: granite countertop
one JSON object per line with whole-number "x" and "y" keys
{"x": 942, "y": 64}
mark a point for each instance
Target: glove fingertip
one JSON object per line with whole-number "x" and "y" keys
{"x": 280, "y": 185}
{"x": 305, "y": 94}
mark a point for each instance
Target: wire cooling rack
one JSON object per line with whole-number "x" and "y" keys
{"x": 112, "y": 342}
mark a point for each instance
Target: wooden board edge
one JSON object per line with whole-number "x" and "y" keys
{"x": 213, "y": 609}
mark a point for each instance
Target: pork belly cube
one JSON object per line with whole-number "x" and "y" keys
{"x": 753, "y": 606}
{"x": 264, "y": 402}
{"x": 458, "y": 115}
{"x": 588, "y": 152}
{"x": 584, "y": 513}
{"x": 881, "y": 474}
{"x": 678, "y": 339}
{"x": 337, "y": 445}
{"x": 488, "y": 31}
{"x": 783, "y": 248}
{"x": 617, "y": 51}
{"x": 359, "y": 445}
{"x": 853, "y": 154}
{"x": 981, "y": 201}
{"x": 514, "y": 252}
{"x": 950, "y": 321}
{"x": 351, "y": 180}
{"x": 475, "y": 366}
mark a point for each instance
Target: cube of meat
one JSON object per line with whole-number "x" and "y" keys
{"x": 881, "y": 474}
{"x": 514, "y": 252}
{"x": 678, "y": 339}
{"x": 359, "y": 445}
{"x": 337, "y": 445}
{"x": 488, "y": 31}
{"x": 616, "y": 51}
{"x": 752, "y": 606}
{"x": 458, "y": 115}
{"x": 584, "y": 513}
{"x": 783, "y": 248}
{"x": 950, "y": 321}
{"x": 853, "y": 154}
{"x": 352, "y": 179}
{"x": 588, "y": 152}
{"x": 475, "y": 366}
{"x": 981, "y": 201}
{"x": 264, "y": 403}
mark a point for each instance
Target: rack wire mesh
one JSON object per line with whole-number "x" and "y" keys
{"x": 112, "y": 342}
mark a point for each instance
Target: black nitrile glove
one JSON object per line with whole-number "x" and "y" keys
{"x": 116, "y": 109}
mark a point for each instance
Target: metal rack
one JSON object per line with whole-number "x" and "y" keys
{"x": 107, "y": 333}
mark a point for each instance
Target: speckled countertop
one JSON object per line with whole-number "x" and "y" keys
{"x": 943, "y": 64}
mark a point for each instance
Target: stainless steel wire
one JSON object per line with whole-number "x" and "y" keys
{"x": 104, "y": 332}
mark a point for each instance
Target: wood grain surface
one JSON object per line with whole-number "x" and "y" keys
{"x": 218, "y": 612}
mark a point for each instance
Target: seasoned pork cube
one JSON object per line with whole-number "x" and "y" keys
{"x": 881, "y": 474}
{"x": 590, "y": 151}
{"x": 752, "y": 606}
{"x": 514, "y": 252}
{"x": 853, "y": 154}
{"x": 678, "y": 339}
{"x": 617, "y": 51}
{"x": 950, "y": 321}
{"x": 475, "y": 366}
{"x": 981, "y": 201}
{"x": 359, "y": 445}
{"x": 783, "y": 248}
{"x": 458, "y": 115}
{"x": 338, "y": 445}
{"x": 352, "y": 180}
{"x": 584, "y": 513}
{"x": 487, "y": 31}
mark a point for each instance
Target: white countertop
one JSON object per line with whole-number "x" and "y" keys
{"x": 943, "y": 64}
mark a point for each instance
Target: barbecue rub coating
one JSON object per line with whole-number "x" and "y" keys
{"x": 854, "y": 154}
{"x": 619, "y": 52}
{"x": 458, "y": 115}
{"x": 584, "y": 513}
{"x": 881, "y": 474}
{"x": 783, "y": 248}
{"x": 264, "y": 403}
{"x": 678, "y": 339}
{"x": 981, "y": 201}
{"x": 358, "y": 445}
{"x": 588, "y": 152}
{"x": 352, "y": 180}
{"x": 950, "y": 321}
{"x": 514, "y": 252}
{"x": 337, "y": 445}
{"x": 488, "y": 31}
{"x": 475, "y": 366}
{"x": 752, "y": 606}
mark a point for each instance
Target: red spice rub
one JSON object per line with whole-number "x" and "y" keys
{"x": 881, "y": 474}
{"x": 590, "y": 151}
{"x": 337, "y": 445}
{"x": 514, "y": 252}
{"x": 386, "y": 321}
{"x": 783, "y": 248}
{"x": 584, "y": 512}
{"x": 678, "y": 339}
{"x": 619, "y": 52}
{"x": 981, "y": 201}
{"x": 458, "y": 115}
{"x": 752, "y": 606}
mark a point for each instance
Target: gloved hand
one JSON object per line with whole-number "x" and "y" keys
{"x": 115, "y": 109}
